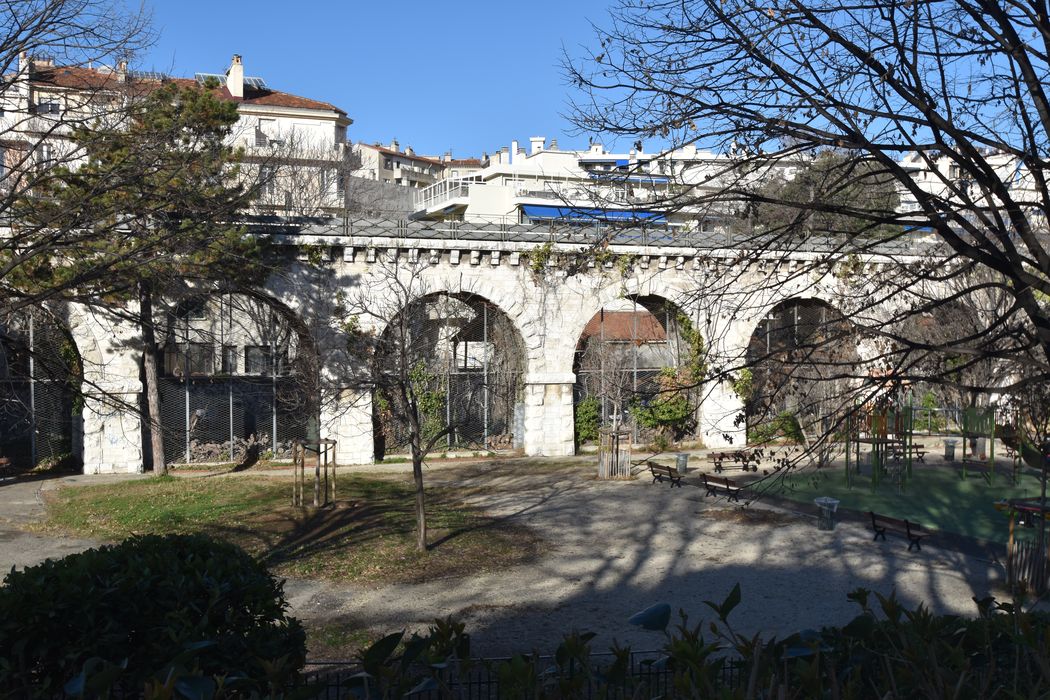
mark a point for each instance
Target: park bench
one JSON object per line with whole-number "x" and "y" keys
{"x": 720, "y": 484}
{"x": 905, "y": 528}
{"x": 745, "y": 459}
{"x": 662, "y": 471}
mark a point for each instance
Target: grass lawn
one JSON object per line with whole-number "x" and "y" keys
{"x": 368, "y": 537}
{"x": 935, "y": 496}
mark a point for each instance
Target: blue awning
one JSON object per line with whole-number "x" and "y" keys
{"x": 542, "y": 212}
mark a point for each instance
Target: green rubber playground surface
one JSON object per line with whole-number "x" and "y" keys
{"x": 936, "y": 496}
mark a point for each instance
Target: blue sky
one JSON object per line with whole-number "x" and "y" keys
{"x": 470, "y": 75}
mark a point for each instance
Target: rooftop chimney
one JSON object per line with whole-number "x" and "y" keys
{"x": 409, "y": 151}
{"x": 235, "y": 77}
{"x": 554, "y": 144}
{"x": 513, "y": 150}
{"x": 536, "y": 144}
{"x": 395, "y": 146}
{"x": 122, "y": 71}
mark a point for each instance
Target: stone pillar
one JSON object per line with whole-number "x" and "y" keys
{"x": 549, "y": 421}
{"x": 110, "y": 349}
{"x": 348, "y": 421}
{"x": 112, "y": 438}
{"x": 720, "y": 410}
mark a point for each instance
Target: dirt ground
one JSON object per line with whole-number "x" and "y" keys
{"x": 612, "y": 549}
{"x": 616, "y": 547}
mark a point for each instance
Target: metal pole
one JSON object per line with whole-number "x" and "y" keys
{"x": 231, "y": 367}
{"x": 634, "y": 358}
{"x": 273, "y": 400}
{"x": 485, "y": 385}
{"x": 186, "y": 385}
{"x": 32, "y": 392}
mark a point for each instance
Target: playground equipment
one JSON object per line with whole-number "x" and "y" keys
{"x": 889, "y": 431}
{"x": 324, "y": 487}
{"x": 978, "y": 432}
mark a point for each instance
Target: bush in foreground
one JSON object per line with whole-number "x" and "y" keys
{"x": 886, "y": 652}
{"x": 149, "y": 612}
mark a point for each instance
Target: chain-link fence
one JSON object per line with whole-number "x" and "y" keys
{"x": 236, "y": 381}
{"x": 629, "y": 356}
{"x": 233, "y": 419}
{"x": 801, "y": 361}
{"x": 465, "y": 366}
{"x": 39, "y": 391}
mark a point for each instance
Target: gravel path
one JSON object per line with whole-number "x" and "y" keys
{"x": 617, "y": 547}
{"x": 614, "y": 549}
{"x": 21, "y": 502}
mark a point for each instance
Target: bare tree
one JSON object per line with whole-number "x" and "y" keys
{"x": 405, "y": 337}
{"x": 942, "y": 103}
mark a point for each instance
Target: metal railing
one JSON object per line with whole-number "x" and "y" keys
{"x": 445, "y": 191}
{"x": 596, "y": 232}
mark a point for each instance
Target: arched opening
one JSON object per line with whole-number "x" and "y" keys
{"x": 639, "y": 364}
{"x": 801, "y": 362}
{"x": 239, "y": 379}
{"x": 41, "y": 375}
{"x": 465, "y": 358}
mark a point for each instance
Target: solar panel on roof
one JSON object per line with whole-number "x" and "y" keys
{"x": 255, "y": 82}
{"x": 203, "y": 78}
{"x": 147, "y": 75}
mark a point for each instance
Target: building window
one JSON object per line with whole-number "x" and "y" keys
{"x": 258, "y": 359}
{"x": 340, "y": 185}
{"x": 708, "y": 225}
{"x": 44, "y": 155}
{"x": 229, "y": 359}
{"x": 267, "y": 178}
{"x": 387, "y": 165}
{"x": 47, "y": 107}
{"x": 954, "y": 172}
{"x": 192, "y": 359}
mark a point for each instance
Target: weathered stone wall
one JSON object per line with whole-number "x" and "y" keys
{"x": 329, "y": 279}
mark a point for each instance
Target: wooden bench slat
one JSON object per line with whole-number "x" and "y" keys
{"x": 715, "y": 484}
{"x": 913, "y": 532}
{"x": 662, "y": 471}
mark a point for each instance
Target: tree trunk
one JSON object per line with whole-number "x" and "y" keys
{"x": 149, "y": 366}
{"x": 421, "y": 513}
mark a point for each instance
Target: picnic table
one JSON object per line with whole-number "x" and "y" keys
{"x": 747, "y": 458}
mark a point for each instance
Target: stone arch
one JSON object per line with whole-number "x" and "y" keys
{"x": 469, "y": 361}
{"x": 800, "y": 361}
{"x": 636, "y": 350}
{"x": 239, "y": 376}
{"x": 41, "y": 377}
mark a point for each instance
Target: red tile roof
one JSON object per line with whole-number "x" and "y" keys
{"x": 401, "y": 154}
{"x": 620, "y": 325}
{"x": 78, "y": 78}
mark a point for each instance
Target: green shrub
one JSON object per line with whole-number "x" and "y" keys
{"x": 587, "y": 419}
{"x": 785, "y": 425}
{"x": 128, "y": 613}
{"x": 887, "y": 651}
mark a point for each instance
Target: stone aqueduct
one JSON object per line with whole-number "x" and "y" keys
{"x": 328, "y": 265}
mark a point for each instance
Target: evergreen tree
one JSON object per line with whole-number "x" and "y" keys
{"x": 152, "y": 202}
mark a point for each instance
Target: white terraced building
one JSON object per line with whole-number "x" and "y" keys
{"x": 547, "y": 183}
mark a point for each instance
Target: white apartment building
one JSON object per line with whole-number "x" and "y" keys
{"x": 392, "y": 165}
{"x": 546, "y": 183}
{"x": 297, "y": 144}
